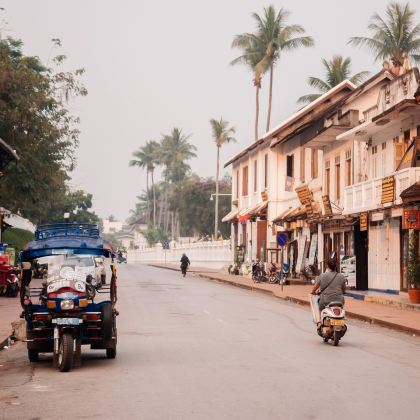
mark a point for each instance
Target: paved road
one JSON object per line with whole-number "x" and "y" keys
{"x": 194, "y": 349}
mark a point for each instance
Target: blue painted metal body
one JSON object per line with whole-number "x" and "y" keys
{"x": 66, "y": 238}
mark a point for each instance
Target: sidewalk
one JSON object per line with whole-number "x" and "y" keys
{"x": 391, "y": 316}
{"x": 9, "y": 312}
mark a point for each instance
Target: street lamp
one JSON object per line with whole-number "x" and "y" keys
{"x": 216, "y": 213}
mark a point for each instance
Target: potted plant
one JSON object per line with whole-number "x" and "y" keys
{"x": 413, "y": 269}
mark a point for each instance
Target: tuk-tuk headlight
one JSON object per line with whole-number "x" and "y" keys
{"x": 67, "y": 304}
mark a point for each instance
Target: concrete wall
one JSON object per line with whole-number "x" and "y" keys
{"x": 201, "y": 254}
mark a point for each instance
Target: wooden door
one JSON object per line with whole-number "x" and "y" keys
{"x": 262, "y": 240}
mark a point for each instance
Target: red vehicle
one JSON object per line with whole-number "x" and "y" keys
{"x": 9, "y": 284}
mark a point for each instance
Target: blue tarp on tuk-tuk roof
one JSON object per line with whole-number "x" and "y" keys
{"x": 66, "y": 238}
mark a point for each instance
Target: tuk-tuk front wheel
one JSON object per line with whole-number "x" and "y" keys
{"x": 65, "y": 352}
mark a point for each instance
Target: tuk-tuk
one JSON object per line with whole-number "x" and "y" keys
{"x": 59, "y": 308}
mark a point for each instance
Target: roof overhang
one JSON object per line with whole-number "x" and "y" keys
{"x": 244, "y": 152}
{"x": 385, "y": 122}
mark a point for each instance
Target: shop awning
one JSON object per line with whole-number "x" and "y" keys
{"x": 290, "y": 215}
{"x": 230, "y": 216}
{"x": 411, "y": 194}
{"x": 260, "y": 208}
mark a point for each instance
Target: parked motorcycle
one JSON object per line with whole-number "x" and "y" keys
{"x": 9, "y": 282}
{"x": 283, "y": 273}
{"x": 331, "y": 323}
{"x": 258, "y": 272}
{"x": 272, "y": 273}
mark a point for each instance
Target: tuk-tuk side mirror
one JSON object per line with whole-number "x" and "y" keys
{"x": 26, "y": 265}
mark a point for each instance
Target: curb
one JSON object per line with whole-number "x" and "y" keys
{"x": 4, "y": 342}
{"x": 354, "y": 315}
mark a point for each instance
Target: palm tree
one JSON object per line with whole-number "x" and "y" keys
{"x": 276, "y": 37}
{"x": 253, "y": 52}
{"x": 222, "y": 134}
{"x": 337, "y": 70}
{"x": 146, "y": 158}
{"x": 175, "y": 151}
{"x": 394, "y": 38}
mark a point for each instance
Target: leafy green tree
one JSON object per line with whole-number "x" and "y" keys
{"x": 337, "y": 70}
{"x": 395, "y": 37}
{"x": 35, "y": 121}
{"x": 253, "y": 52}
{"x": 147, "y": 157}
{"x": 276, "y": 37}
{"x": 195, "y": 209}
{"x": 222, "y": 134}
{"x": 77, "y": 203}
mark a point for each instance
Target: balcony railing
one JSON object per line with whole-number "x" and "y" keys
{"x": 366, "y": 196}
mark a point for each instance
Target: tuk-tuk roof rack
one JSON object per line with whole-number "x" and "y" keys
{"x": 60, "y": 230}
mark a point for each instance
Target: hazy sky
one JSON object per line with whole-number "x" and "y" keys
{"x": 154, "y": 65}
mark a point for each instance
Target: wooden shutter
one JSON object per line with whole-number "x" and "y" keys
{"x": 245, "y": 181}
{"x": 399, "y": 153}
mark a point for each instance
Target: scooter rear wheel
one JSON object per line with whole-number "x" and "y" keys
{"x": 336, "y": 337}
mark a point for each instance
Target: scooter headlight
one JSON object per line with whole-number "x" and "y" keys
{"x": 67, "y": 304}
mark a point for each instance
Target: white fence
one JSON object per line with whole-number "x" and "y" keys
{"x": 201, "y": 254}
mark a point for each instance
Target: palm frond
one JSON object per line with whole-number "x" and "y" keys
{"x": 319, "y": 84}
{"x": 306, "y": 99}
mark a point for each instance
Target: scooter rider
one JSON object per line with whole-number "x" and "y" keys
{"x": 331, "y": 284}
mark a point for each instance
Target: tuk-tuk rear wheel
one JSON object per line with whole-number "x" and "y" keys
{"x": 65, "y": 352}
{"x": 33, "y": 355}
{"x": 111, "y": 352}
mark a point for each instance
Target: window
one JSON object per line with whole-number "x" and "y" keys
{"x": 265, "y": 170}
{"x": 245, "y": 181}
{"x": 255, "y": 175}
{"x": 314, "y": 164}
{"x": 406, "y": 139}
{"x": 383, "y": 158}
{"x": 302, "y": 164}
{"x": 374, "y": 161}
{"x": 237, "y": 183}
{"x": 348, "y": 168}
{"x": 290, "y": 165}
{"x": 337, "y": 177}
{"x": 327, "y": 177}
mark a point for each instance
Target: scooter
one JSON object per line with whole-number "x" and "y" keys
{"x": 331, "y": 323}
{"x": 283, "y": 273}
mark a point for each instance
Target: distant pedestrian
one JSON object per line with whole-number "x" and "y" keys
{"x": 185, "y": 262}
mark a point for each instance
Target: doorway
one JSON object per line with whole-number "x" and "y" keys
{"x": 262, "y": 240}
{"x": 361, "y": 254}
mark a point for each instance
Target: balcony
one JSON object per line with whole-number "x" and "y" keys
{"x": 366, "y": 196}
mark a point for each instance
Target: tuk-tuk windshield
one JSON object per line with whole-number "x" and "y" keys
{"x": 69, "y": 267}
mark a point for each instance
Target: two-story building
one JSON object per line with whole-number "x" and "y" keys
{"x": 331, "y": 177}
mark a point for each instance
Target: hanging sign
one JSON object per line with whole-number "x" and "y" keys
{"x": 411, "y": 219}
{"x": 388, "y": 190}
{"x": 363, "y": 222}
{"x": 327, "y": 205}
{"x": 377, "y": 217}
{"x": 301, "y": 253}
{"x": 313, "y": 248}
{"x": 305, "y": 197}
